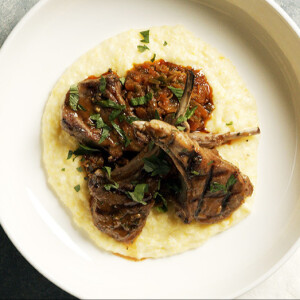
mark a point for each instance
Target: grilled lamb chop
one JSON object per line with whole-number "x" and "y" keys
{"x": 113, "y": 211}
{"x": 76, "y": 119}
{"x": 212, "y": 188}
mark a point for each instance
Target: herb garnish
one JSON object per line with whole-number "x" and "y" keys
{"x": 114, "y": 115}
{"x": 131, "y": 119}
{"x": 104, "y": 135}
{"x": 63, "y": 169}
{"x": 145, "y": 35}
{"x": 177, "y": 92}
{"x": 210, "y": 162}
{"x": 165, "y": 43}
{"x": 102, "y": 87}
{"x": 156, "y": 115}
{"x": 107, "y": 170}
{"x": 142, "y": 48}
{"x": 187, "y": 115}
{"x": 216, "y": 187}
{"x": 230, "y": 123}
{"x": 110, "y": 186}
{"x": 77, "y": 188}
{"x": 156, "y": 165}
{"x": 79, "y": 169}
{"x": 153, "y": 58}
{"x": 70, "y": 153}
{"x": 151, "y": 145}
{"x": 110, "y": 104}
{"x": 98, "y": 121}
{"x": 195, "y": 172}
{"x": 138, "y": 194}
{"x": 82, "y": 149}
{"x": 141, "y": 100}
{"x": 121, "y": 132}
{"x": 74, "y": 96}
{"x": 181, "y": 128}
{"x": 80, "y": 107}
{"x": 122, "y": 79}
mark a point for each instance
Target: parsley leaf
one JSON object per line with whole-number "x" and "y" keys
{"x": 186, "y": 116}
{"x": 80, "y": 107}
{"x": 145, "y": 35}
{"x": 156, "y": 165}
{"x": 114, "y": 115}
{"x": 216, "y": 187}
{"x": 210, "y": 162}
{"x": 153, "y": 58}
{"x": 104, "y": 135}
{"x": 195, "y": 172}
{"x": 107, "y": 170}
{"x": 141, "y": 100}
{"x": 122, "y": 79}
{"x": 82, "y": 149}
{"x": 142, "y": 48}
{"x": 230, "y": 123}
{"x": 177, "y": 92}
{"x": 79, "y": 169}
{"x": 165, "y": 43}
{"x": 164, "y": 207}
{"x": 102, "y": 86}
{"x": 74, "y": 96}
{"x": 156, "y": 115}
{"x": 121, "y": 133}
{"x": 110, "y": 104}
{"x": 138, "y": 194}
{"x": 231, "y": 182}
{"x": 110, "y": 186}
{"x": 181, "y": 128}
{"x": 63, "y": 169}
{"x": 131, "y": 119}
{"x": 70, "y": 153}
{"x": 98, "y": 120}
{"x": 77, "y": 188}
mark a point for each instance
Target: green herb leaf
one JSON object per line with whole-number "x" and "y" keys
{"x": 156, "y": 115}
{"x": 110, "y": 186}
{"x": 104, "y": 135}
{"x": 74, "y": 96}
{"x": 165, "y": 43}
{"x": 107, "y": 170}
{"x": 70, "y": 153}
{"x": 114, "y": 115}
{"x": 156, "y": 165}
{"x": 195, "y": 172}
{"x": 145, "y": 35}
{"x": 79, "y": 169}
{"x": 63, "y": 169}
{"x": 121, "y": 133}
{"x": 80, "y": 107}
{"x": 177, "y": 92}
{"x": 142, "y": 48}
{"x": 82, "y": 149}
{"x": 77, "y": 188}
{"x": 131, "y": 119}
{"x": 141, "y": 100}
{"x": 230, "y": 123}
{"x": 151, "y": 145}
{"x": 138, "y": 194}
{"x": 98, "y": 120}
{"x": 102, "y": 86}
{"x": 217, "y": 187}
{"x": 110, "y": 104}
{"x": 210, "y": 162}
{"x": 230, "y": 182}
{"x": 181, "y": 128}
{"x": 122, "y": 79}
{"x": 187, "y": 115}
{"x": 153, "y": 58}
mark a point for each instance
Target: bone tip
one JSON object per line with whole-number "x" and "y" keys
{"x": 139, "y": 125}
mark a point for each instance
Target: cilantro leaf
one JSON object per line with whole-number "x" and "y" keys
{"x": 74, "y": 96}
{"x": 145, "y": 35}
{"x": 176, "y": 91}
{"x": 102, "y": 86}
{"x": 138, "y": 194}
{"x": 142, "y": 48}
{"x": 141, "y": 100}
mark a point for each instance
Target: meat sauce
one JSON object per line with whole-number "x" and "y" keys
{"x": 156, "y": 78}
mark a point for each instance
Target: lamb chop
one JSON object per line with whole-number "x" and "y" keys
{"x": 92, "y": 111}
{"x": 212, "y": 188}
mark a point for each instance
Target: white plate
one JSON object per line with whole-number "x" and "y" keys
{"x": 259, "y": 39}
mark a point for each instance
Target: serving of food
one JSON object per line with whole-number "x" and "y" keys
{"x": 148, "y": 139}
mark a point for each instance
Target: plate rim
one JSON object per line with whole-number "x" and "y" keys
{"x": 290, "y": 22}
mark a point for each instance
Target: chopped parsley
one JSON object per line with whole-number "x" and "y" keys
{"x": 216, "y": 187}
{"x": 210, "y": 162}
{"x": 104, "y": 135}
{"x": 181, "y": 128}
{"x": 110, "y": 186}
{"x": 165, "y": 43}
{"x": 74, "y": 97}
{"x": 102, "y": 86}
{"x": 98, "y": 121}
{"x": 121, "y": 132}
{"x": 230, "y": 123}
{"x": 131, "y": 119}
{"x": 186, "y": 116}
{"x": 82, "y": 149}
{"x": 107, "y": 170}
{"x": 151, "y": 145}
{"x": 176, "y": 91}
{"x": 138, "y": 194}
{"x": 156, "y": 115}
{"x": 110, "y": 104}
{"x": 145, "y": 35}
{"x": 63, "y": 169}
{"x": 153, "y": 58}
{"x": 79, "y": 169}
{"x": 156, "y": 165}
{"x": 142, "y": 48}
{"x": 70, "y": 153}
{"x": 195, "y": 172}
{"x": 77, "y": 188}
{"x": 122, "y": 79}
{"x": 141, "y": 100}
{"x": 80, "y": 107}
{"x": 114, "y": 115}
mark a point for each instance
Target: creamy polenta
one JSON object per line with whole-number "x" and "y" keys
{"x": 164, "y": 233}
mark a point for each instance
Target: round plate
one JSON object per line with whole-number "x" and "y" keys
{"x": 262, "y": 43}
